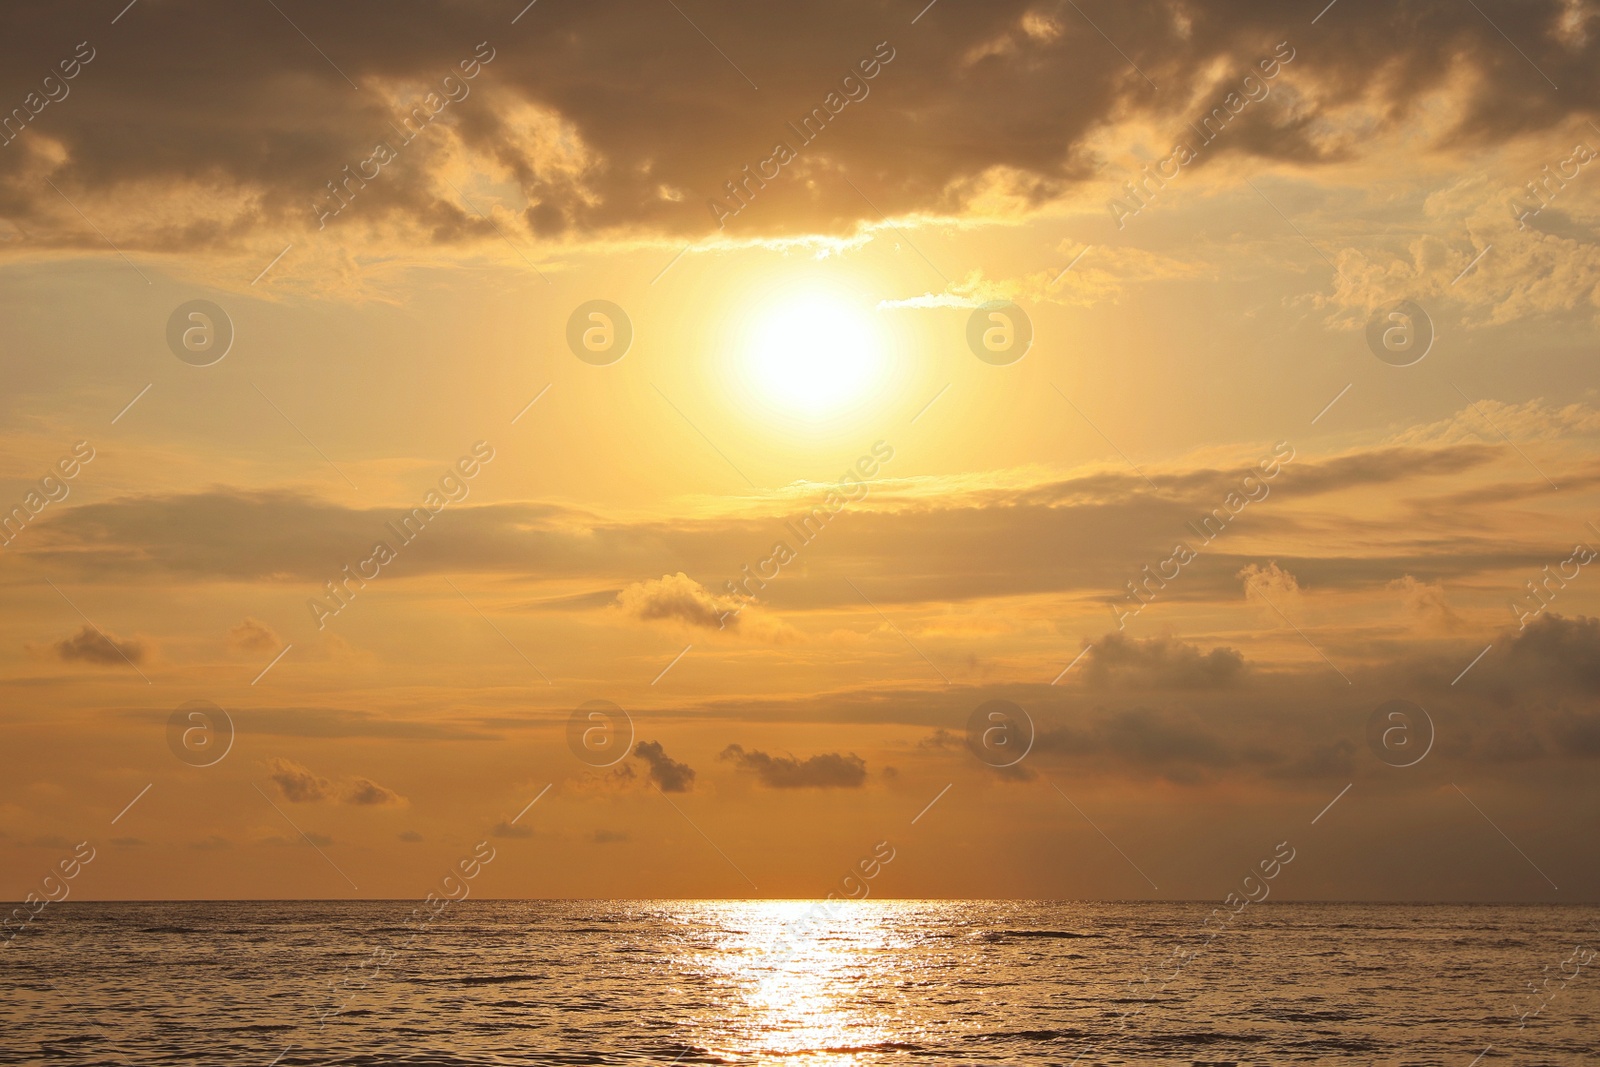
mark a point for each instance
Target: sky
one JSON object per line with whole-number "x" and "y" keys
{"x": 687, "y": 446}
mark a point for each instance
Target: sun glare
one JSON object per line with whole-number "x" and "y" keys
{"x": 814, "y": 355}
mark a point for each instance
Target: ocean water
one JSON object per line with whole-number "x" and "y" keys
{"x": 736, "y": 982}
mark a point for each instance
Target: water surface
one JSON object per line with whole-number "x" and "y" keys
{"x": 883, "y": 982}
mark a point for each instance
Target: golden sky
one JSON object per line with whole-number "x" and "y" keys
{"x": 799, "y": 380}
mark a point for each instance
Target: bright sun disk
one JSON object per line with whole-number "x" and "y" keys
{"x": 814, "y": 355}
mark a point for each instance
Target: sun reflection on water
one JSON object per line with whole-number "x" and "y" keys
{"x": 797, "y": 990}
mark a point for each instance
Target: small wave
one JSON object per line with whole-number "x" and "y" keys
{"x": 1046, "y": 933}
{"x": 1341, "y": 1044}
{"x": 832, "y": 1050}
{"x": 997, "y": 937}
{"x": 1033, "y": 1035}
{"x": 1199, "y": 1037}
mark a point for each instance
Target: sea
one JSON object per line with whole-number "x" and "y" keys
{"x": 871, "y": 982}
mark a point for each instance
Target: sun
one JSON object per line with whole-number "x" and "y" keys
{"x": 816, "y": 354}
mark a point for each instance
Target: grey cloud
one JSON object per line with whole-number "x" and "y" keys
{"x": 828, "y": 770}
{"x": 666, "y": 772}
{"x": 1177, "y": 745}
{"x": 365, "y": 792}
{"x": 572, "y": 106}
{"x": 1555, "y": 651}
{"x": 1161, "y": 663}
{"x": 296, "y": 783}
{"x": 1181, "y": 713}
{"x": 944, "y": 543}
{"x": 300, "y": 785}
{"x": 89, "y": 645}
{"x": 1579, "y": 735}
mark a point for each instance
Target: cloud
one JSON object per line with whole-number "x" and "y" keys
{"x": 608, "y": 837}
{"x": 298, "y": 784}
{"x": 1160, "y": 663}
{"x": 1270, "y": 586}
{"x": 678, "y": 597}
{"x": 1543, "y": 265}
{"x": 829, "y": 770}
{"x": 506, "y": 829}
{"x": 667, "y": 773}
{"x": 1163, "y": 710}
{"x": 410, "y": 837}
{"x": 986, "y": 110}
{"x": 89, "y": 645}
{"x": 1427, "y": 602}
{"x": 1555, "y": 652}
{"x": 366, "y": 792}
{"x": 944, "y": 530}
{"x": 1529, "y": 420}
{"x": 1098, "y": 280}
{"x": 931, "y": 300}
{"x": 253, "y": 635}
{"x": 1182, "y": 747}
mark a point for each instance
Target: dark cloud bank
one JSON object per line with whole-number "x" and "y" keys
{"x": 573, "y": 116}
